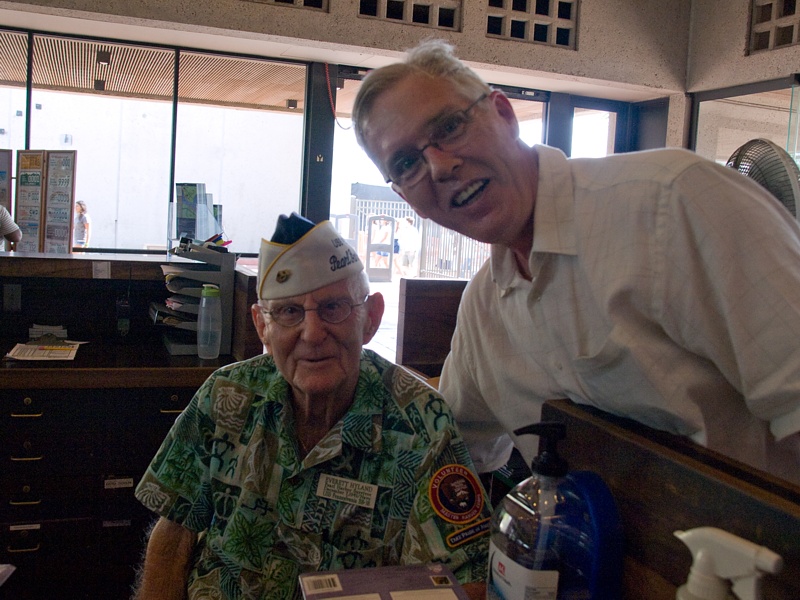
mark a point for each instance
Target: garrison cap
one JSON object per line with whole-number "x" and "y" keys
{"x": 302, "y": 257}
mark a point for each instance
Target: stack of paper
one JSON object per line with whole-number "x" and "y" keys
{"x": 36, "y": 331}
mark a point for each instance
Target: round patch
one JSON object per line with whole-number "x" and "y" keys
{"x": 283, "y": 276}
{"x": 455, "y": 494}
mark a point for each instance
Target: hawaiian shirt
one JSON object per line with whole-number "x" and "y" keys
{"x": 391, "y": 483}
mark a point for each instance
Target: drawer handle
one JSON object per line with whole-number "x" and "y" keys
{"x": 26, "y": 459}
{"x": 11, "y": 550}
{"x": 167, "y": 411}
{"x": 26, "y": 415}
{"x": 27, "y": 503}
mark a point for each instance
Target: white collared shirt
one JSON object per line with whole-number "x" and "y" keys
{"x": 665, "y": 289}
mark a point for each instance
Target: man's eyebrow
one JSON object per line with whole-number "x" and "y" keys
{"x": 428, "y": 127}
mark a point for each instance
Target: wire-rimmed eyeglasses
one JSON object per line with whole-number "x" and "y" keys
{"x": 409, "y": 168}
{"x": 333, "y": 312}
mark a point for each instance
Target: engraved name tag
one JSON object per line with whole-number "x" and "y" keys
{"x": 347, "y": 490}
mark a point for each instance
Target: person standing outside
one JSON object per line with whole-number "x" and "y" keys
{"x": 656, "y": 285}
{"x": 82, "y": 226}
{"x": 9, "y": 229}
{"x": 408, "y": 241}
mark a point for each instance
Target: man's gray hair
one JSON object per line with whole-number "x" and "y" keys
{"x": 434, "y": 58}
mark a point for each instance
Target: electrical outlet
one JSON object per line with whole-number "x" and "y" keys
{"x": 12, "y": 297}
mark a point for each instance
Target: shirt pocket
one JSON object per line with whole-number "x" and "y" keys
{"x": 629, "y": 376}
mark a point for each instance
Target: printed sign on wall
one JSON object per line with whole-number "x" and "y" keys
{"x": 59, "y": 205}
{"x": 28, "y": 213}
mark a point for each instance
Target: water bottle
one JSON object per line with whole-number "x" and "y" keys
{"x": 209, "y": 322}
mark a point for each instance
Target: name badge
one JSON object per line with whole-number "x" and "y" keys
{"x": 347, "y": 490}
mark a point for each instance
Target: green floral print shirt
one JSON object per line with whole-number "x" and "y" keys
{"x": 390, "y": 484}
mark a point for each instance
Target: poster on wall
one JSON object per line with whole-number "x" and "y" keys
{"x": 5, "y": 179}
{"x": 28, "y": 208}
{"x": 58, "y": 202}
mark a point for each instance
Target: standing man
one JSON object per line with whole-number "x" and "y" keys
{"x": 655, "y": 285}
{"x": 8, "y": 228}
{"x": 317, "y": 455}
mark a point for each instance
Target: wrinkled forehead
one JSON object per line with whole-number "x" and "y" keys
{"x": 405, "y": 111}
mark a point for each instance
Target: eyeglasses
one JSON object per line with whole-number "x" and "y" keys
{"x": 447, "y": 134}
{"x": 332, "y": 312}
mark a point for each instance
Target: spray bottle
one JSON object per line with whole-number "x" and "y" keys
{"x": 557, "y": 534}
{"x": 721, "y": 559}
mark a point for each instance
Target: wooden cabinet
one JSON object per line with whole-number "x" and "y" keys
{"x": 76, "y": 436}
{"x": 70, "y": 461}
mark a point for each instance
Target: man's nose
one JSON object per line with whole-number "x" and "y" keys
{"x": 442, "y": 164}
{"x": 313, "y": 328}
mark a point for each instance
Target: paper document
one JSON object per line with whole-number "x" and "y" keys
{"x": 37, "y": 352}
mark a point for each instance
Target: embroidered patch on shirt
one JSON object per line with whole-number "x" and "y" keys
{"x": 455, "y": 494}
{"x": 347, "y": 490}
{"x": 468, "y": 533}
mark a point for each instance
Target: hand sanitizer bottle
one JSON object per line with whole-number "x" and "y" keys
{"x": 209, "y": 322}
{"x": 556, "y": 535}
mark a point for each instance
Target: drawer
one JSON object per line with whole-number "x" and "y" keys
{"x": 26, "y": 498}
{"x": 72, "y": 559}
{"x": 76, "y": 545}
{"x": 40, "y": 448}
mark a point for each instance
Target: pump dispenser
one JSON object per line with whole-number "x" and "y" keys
{"x": 722, "y": 560}
{"x": 557, "y": 534}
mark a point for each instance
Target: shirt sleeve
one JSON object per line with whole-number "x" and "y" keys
{"x": 175, "y": 484}
{"x": 449, "y": 521}
{"x": 731, "y": 293}
{"x": 487, "y": 441}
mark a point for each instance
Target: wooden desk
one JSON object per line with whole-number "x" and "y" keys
{"x": 663, "y": 483}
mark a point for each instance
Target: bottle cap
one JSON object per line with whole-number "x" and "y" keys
{"x": 210, "y": 291}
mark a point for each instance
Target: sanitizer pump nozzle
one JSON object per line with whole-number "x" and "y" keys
{"x": 721, "y": 559}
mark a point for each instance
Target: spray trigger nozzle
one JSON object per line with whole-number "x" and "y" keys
{"x": 722, "y": 561}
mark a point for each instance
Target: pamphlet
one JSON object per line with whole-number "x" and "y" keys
{"x": 64, "y": 351}
{"x": 418, "y": 582}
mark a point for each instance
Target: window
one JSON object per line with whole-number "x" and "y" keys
{"x": 236, "y": 125}
{"x": 593, "y": 133}
{"x": 93, "y": 98}
{"x": 726, "y": 123}
{"x": 241, "y": 134}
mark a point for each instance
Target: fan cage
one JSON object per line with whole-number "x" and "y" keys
{"x": 772, "y": 167}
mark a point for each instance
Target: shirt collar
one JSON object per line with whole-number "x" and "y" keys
{"x": 553, "y": 217}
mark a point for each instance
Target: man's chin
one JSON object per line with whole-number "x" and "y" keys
{"x": 319, "y": 383}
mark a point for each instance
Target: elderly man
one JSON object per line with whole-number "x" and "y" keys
{"x": 654, "y": 285}
{"x": 318, "y": 455}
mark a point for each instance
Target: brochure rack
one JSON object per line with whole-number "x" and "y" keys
{"x": 185, "y": 280}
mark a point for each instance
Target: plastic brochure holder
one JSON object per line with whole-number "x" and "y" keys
{"x": 210, "y": 266}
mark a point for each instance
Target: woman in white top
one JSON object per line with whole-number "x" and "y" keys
{"x": 82, "y": 226}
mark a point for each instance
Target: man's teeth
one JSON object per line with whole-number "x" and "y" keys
{"x": 466, "y": 195}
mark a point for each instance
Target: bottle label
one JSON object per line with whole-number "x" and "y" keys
{"x": 509, "y": 580}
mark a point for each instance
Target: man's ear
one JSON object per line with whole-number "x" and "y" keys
{"x": 503, "y": 107}
{"x": 260, "y": 323}
{"x": 375, "y": 306}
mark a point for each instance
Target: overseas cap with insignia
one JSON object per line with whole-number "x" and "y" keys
{"x": 302, "y": 257}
